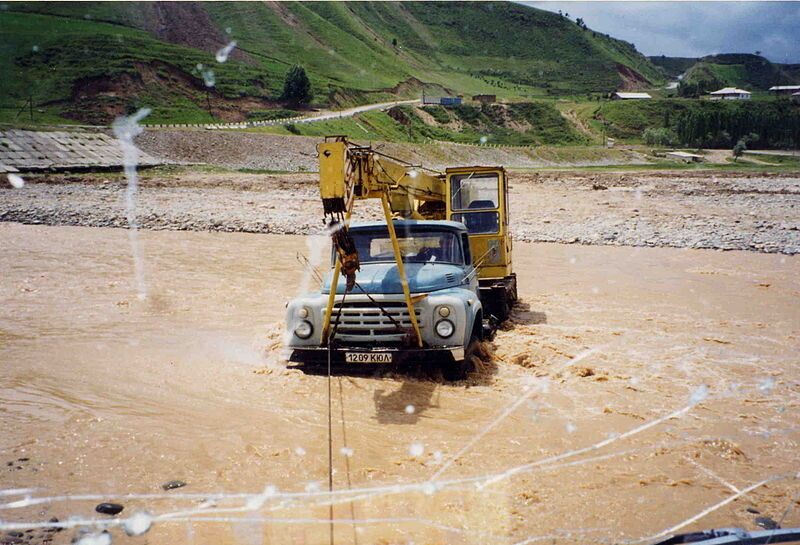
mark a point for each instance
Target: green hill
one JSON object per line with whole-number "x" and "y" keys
{"x": 92, "y": 61}
{"x": 743, "y": 70}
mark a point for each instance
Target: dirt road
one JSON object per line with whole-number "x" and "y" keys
{"x": 633, "y": 389}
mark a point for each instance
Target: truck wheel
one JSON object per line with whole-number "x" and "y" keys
{"x": 459, "y": 370}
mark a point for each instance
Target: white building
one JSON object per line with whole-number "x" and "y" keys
{"x": 629, "y": 96}
{"x": 785, "y": 89}
{"x": 730, "y": 93}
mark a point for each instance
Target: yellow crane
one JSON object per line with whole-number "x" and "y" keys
{"x": 474, "y": 196}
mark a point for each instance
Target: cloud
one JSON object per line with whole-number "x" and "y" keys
{"x": 694, "y": 29}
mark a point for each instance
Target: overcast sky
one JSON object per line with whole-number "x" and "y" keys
{"x": 694, "y": 29}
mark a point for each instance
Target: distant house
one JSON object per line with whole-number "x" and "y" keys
{"x": 630, "y": 96}
{"x": 785, "y": 89}
{"x": 485, "y": 99}
{"x": 730, "y": 93}
{"x": 442, "y": 100}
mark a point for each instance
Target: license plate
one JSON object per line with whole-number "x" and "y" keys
{"x": 368, "y": 357}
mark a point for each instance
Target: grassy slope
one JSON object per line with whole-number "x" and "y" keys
{"x": 542, "y": 124}
{"x": 750, "y": 72}
{"x": 46, "y": 65}
{"x": 347, "y": 48}
{"x": 674, "y": 66}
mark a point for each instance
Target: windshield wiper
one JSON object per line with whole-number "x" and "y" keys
{"x": 737, "y": 536}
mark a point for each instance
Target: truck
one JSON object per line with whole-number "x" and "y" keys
{"x": 424, "y": 286}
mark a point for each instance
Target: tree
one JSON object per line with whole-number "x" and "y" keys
{"x": 296, "y": 87}
{"x": 739, "y": 148}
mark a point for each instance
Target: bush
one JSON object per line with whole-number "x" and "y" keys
{"x": 660, "y": 137}
{"x": 739, "y": 148}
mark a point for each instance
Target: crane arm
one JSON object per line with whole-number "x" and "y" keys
{"x": 349, "y": 172}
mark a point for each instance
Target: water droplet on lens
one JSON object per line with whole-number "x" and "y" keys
{"x": 571, "y": 427}
{"x": 16, "y": 181}
{"x": 416, "y": 449}
{"x": 699, "y": 394}
{"x": 138, "y": 523}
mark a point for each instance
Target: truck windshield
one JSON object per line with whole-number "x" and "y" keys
{"x": 419, "y": 247}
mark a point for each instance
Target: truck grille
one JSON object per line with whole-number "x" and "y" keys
{"x": 362, "y": 321}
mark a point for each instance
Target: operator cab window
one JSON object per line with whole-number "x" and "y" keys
{"x": 476, "y": 194}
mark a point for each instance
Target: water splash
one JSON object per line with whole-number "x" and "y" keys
{"x": 126, "y": 129}
{"x": 16, "y": 181}
{"x": 222, "y": 54}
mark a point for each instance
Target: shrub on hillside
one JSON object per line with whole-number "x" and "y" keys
{"x": 296, "y": 87}
{"x": 660, "y": 137}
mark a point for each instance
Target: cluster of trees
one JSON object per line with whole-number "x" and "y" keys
{"x": 765, "y": 125}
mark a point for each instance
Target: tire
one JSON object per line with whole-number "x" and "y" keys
{"x": 459, "y": 370}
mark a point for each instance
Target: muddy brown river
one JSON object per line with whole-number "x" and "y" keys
{"x": 636, "y": 392}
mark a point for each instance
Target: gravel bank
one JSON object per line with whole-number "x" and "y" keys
{"x": 259, "y": 151}
{"x": 695, "y": 210}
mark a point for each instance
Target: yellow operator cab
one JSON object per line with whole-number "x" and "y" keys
{"x": 478, "y": 198}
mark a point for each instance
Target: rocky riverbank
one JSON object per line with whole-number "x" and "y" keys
{"x": 729, "y": 211}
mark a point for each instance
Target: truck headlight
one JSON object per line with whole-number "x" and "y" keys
{"x": 302, "y": 312}
{"x": 304, "y": 329}
{"x": 445, "y": 328}
{"x": 444, "y": 312}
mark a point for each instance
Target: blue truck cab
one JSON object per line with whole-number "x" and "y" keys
{"x": 371, "y": 323}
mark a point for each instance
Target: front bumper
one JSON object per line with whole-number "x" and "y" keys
{"x": 400, "y": 356}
